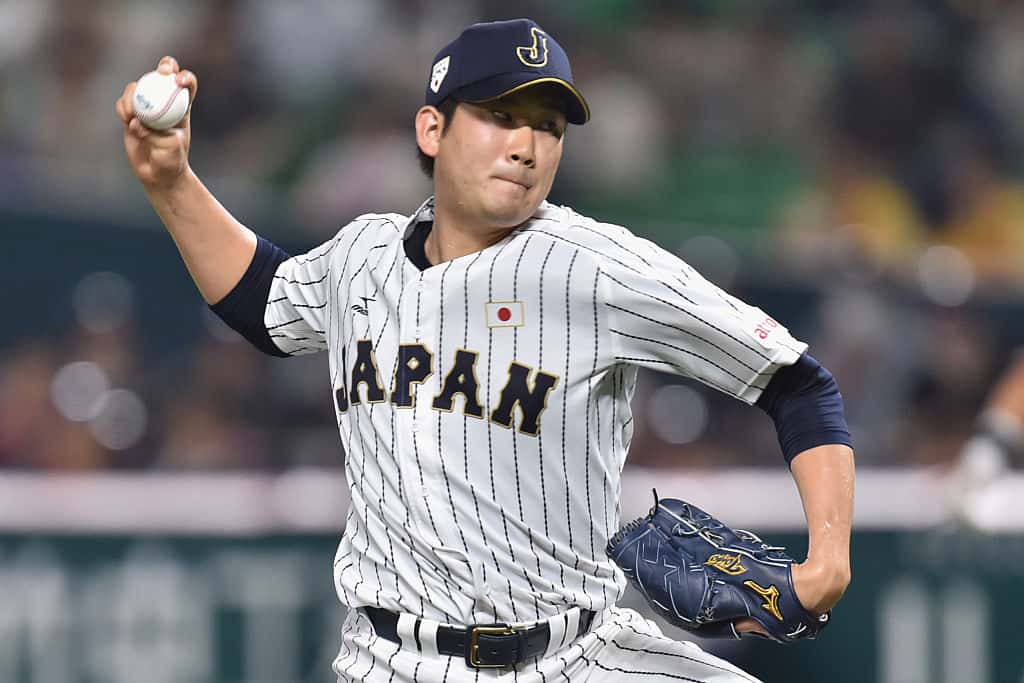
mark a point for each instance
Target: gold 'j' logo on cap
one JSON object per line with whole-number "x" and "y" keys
{"x": 535, "y": 55}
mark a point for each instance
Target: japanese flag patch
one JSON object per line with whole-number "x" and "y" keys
{"x": 505, "y": 313}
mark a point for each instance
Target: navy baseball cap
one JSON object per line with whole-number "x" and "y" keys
{"x": 493, "y": 59}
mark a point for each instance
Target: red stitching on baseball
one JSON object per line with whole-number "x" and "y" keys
{"x": 167, "y": 106}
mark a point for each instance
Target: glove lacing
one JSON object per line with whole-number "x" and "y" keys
{"x": 697, "y": 522}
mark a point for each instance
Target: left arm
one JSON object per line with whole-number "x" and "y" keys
{"x": 824, "y": 476}
{"x": 804, "y": 402}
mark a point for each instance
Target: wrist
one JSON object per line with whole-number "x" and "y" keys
{"x": 831, "y": 572}
{"x": 167, "y": 186}
{"x": 820, "y": 584}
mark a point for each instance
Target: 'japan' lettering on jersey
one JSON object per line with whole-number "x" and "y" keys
{"x": 483, "y": 403}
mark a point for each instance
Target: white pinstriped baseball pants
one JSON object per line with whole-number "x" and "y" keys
{"x": 620, "y": 646}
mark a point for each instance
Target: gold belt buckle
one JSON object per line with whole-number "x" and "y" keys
{"x": 474, "y": 635}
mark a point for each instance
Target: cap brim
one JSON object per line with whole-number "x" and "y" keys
{"x": 576, "y": 109}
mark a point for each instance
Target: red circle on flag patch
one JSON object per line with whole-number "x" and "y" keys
{"x": 504, "y": 314}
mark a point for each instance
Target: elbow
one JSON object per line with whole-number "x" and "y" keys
{"x": 841, "y": 579}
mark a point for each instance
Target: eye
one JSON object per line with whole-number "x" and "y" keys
{"x": 551, "y": 126}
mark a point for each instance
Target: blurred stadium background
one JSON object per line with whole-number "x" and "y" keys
{"x": 170, "y": 499}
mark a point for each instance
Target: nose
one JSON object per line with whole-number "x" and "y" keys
{"x": 520, "y": 147}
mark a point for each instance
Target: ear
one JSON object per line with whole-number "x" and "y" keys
{"x": 429, "y": 126}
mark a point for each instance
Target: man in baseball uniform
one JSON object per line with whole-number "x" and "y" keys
{"x": 482, "y": 353}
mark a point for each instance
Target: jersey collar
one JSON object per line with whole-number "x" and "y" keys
{"x": 426, "y": 213}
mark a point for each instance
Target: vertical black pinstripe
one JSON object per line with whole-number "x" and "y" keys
{"x": 440, "y": 445}
{"x": 356, "y": 426}
{"x": 399, "y": 257}
{"x": 344, "y": 267}
{"x": 465, "y": 437}
{"x": 565, "y": 406}
{"x": 540, "y": 364}
{"x": 343, "y": 653}
{"x": 515, "y": 443}
{"x": 598, "y": 424}
{"x": 616, "y": 391}
{"x": 398, "y": 465}
{"x": 614, "y": 430}
{"x": 590, "y": 384}
{"x": 376, "y": 458}
{"x": 490, "y": 444}
{"x": 353, "y": 653}
{"x": 351, "y": 452}
{"x": 419, "y": 462}
{"x": 391, "y": 666}
{"x": 373, "y": 659}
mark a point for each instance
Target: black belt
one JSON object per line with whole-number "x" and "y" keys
{"x": 484, "y": 646}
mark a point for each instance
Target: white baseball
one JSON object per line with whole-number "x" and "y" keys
{"x": 159, "y": 102}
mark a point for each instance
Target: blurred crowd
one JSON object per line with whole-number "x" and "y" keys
{"x": 853, "y": 163}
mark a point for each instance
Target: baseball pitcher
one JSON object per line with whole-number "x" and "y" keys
{"x": 482, "y": 353}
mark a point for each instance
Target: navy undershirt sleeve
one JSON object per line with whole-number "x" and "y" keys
{"x": 804, "y": 401}
{"x": 242, "y": 309}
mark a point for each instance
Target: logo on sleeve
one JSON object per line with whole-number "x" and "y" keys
{"x": 438, "y": 73}
{"x": 535, "y": 55}
{"x": 764, "y": 328}
{"x": 505, "y": 314}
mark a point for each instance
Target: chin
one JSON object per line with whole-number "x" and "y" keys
{"x": 510, "y": 213}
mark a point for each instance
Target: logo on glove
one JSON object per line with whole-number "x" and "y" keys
{"x": 770, "y": 594}
{"x": 729, "y": 564}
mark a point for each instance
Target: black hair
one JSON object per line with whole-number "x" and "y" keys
{"x": 447, "y": 108}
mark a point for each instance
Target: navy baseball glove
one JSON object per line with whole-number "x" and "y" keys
{"x": 702, "y": 576}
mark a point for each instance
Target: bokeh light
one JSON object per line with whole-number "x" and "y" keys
{"x": 678, "y": 414}
{"x": 77, "y": 390}
{"x": 120, "y": 421}
{"x": 103, "y": 301}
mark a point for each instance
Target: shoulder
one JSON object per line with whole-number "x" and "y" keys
{"x": 609, "y": 245}
{"x": 382, "y": 225}
{"x": 368, "y": 231}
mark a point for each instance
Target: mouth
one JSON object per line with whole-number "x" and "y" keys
{"x": 521, "y": 184}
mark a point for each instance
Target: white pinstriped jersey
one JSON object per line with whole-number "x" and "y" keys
{"x": 484, "y": 403}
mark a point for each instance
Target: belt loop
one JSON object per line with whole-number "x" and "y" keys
{"x": 428, "y": 637}
{"x": 556, "y": 633}
{"x": 407, "y": 624}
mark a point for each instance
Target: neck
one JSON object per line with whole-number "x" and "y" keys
{"x": 453, "y": 236}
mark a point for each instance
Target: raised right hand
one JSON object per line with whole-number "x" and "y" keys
{"x": 158, "y": 158}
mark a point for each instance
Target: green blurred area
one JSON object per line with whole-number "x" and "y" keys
{"x": 734, "y": 193}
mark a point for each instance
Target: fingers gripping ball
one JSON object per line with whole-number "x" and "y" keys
{"x": 159, "y": 101}
{"x": 702, "y": 576}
